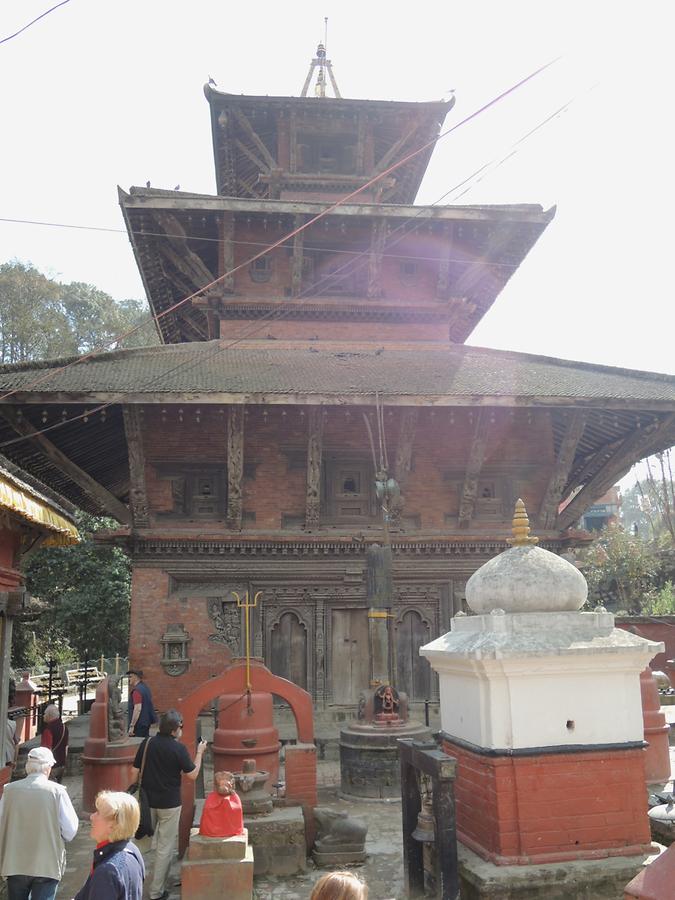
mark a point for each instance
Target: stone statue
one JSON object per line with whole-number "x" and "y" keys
{"x": 117, "y": 732}
{"x": 222, "y": 816}
{"x": 340, "y": 838}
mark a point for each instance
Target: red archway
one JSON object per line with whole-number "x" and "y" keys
{"x": 232, "y": 681}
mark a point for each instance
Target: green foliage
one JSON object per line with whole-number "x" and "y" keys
{"x": 86, "y": 593}
{"x": 660, "y": 602}
{"x": 621, "y": 569}
{"x": 41, "y": 318}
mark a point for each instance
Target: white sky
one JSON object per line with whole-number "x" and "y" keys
{"x": 107, "y": 92}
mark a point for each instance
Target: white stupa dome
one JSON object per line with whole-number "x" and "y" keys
{"x": 526, "y": 578}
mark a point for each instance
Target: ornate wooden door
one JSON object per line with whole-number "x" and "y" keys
{"x": 412, "y": 670}
{"x": 350, "y": 662}
{"x": 289, "y": 650}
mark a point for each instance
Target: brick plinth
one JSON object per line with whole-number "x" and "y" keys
{"x": 301, "y": 782}
{"x": 551, "y": 807}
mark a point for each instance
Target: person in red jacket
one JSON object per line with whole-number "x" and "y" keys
{"x": 55, "y": 736}
{"x": 222, "y": 816}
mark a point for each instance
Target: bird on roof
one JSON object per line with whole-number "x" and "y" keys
{"x": 212, "y": 82}
{"x": 147, "y": 184}
{"x": 177, "y": 188}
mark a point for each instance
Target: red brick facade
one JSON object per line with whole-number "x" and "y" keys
{"x": 192, "y": 559}
{"x": 517, "y": 810}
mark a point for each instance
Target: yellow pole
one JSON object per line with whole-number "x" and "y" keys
{"x": 246, "y": 606}
{"x": 117, "y": 664}
{"x": 102, "y": 669}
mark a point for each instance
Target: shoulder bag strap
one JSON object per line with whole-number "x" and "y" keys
{"x": 145, "y": 753}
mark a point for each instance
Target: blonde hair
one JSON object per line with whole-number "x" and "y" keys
{"x": 339, "y": 886}
{"x": 124, "y": 809}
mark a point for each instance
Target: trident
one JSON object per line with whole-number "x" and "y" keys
{"x": 246, "y": 606}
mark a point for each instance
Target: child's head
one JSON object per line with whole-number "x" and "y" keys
{"x": 224, "y": 783}
{"x": 339, "y": 886}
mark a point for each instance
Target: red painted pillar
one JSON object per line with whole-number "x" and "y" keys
{"x": 657, "y": 757}
{"x": 27, "y": 696}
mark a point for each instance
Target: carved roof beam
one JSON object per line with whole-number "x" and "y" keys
{"x": 176, "y": 250}
{"x": 548, "y": 512}
{"x": 443, "y": 280}
{"x": 396, "y": 149}
{"x": 226, "y": 250}
{"x": 361, "y": 142}
{"x": 108, "y": 503}
{"x": 467, "y": 502}
{"x": 636, "y": 446}
{"x": 235, "y": 466}
{"x": 404, "y": 452}
{"x": 314, "y": 452}
{"x": 378, "y": 238}
{"x": 250, "y": 133}
{"x": 298, "y": 258}
{"x": 138, "y": 498}
{"x": 257, "y": 162}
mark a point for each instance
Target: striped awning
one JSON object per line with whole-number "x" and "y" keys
{"x": 20, "y": 500}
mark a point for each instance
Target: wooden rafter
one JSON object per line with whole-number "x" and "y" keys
{"x": 263, "y": 167}
{"x": 100, "y": 495}
{"x": 636, "y": 446}
{"x": 387, "y": 158}
{"x": 479, "y": 439}
{"x": 248, "y": 129}
{"x": 314, "y": 451}
{"x": 548, "y": 512}
{"x": 235, "y": 466}
{"x": 177, "y": 251}
{"x": 138, "y": 498}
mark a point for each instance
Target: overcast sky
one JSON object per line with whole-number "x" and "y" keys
{"x": 107, "y": 92}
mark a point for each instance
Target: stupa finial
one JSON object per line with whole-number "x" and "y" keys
{"x": 521, "y": 527}
{"x": 324, "y": 66}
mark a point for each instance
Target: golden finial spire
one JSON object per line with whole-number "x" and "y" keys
{"x": 521, "y": 527}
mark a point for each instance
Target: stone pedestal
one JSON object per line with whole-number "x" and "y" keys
{"x": 278, "y": 841}
{"x": 106, "y": 765}
{"x": 541, "y": 707}
{"x": 369, "y": 764}
{"x": 600, "y": 879}
{"x": 217, "y": 867}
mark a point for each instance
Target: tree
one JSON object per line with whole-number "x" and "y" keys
{"x": 41, "y": 318}
{"x": 621, "y": 569}
{"x": 648, "y": 507}
{"x": 85, "y": 593}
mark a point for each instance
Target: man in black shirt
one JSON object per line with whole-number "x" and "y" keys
{"x": 165, "y": 761}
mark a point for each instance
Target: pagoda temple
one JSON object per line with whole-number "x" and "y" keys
{"x": 243, "y": 453}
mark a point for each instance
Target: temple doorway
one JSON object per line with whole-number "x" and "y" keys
{"x": 350, "y": 656}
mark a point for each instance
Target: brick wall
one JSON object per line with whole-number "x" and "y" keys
{"x": 551, "y": 807}
{"x": 520, "y": 450}
{"x": 153, "y": 607}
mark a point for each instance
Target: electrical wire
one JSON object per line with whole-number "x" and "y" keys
{"x": 37, "y": 19}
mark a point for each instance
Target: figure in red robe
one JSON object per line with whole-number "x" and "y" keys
{"x": 222, "y": 816}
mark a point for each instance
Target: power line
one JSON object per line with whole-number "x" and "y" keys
{"x": 37, "y": 19}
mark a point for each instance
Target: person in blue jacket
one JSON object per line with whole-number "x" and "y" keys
{"x": 141, "y": 710}
{"x": 118, "y": 870}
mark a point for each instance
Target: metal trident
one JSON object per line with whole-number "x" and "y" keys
{"x": 246, "y": 606}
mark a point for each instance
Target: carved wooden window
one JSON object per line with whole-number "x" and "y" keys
{"x": 490, "y": 499}
{"x": 408, "y": 271}
{"x": 261, "y": 269}
{"x": 327, "y": 154}
{"x": 196, "y": 492}
{"x": 348, "y": 490}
